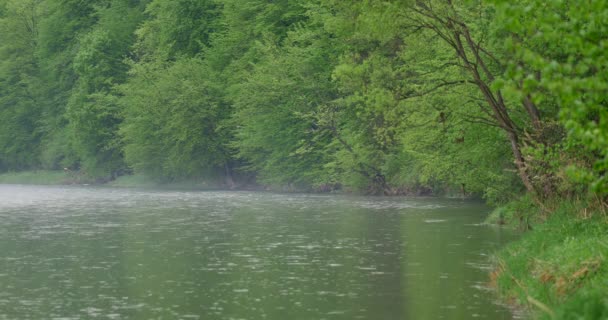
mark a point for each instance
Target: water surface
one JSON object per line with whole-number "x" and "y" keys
{"x": 101, "y": 253}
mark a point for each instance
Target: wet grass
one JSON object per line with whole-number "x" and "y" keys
{"x": 520, "y": 214}
{"x": 559, "y": 270}
{"x": 133, "y": 181}
{"x": 40, "y": 177}
{"x": 47, "y": 177}
{"x": 142, "y": 181}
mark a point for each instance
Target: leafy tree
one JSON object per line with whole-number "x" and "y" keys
{"x": 60, "y": 25}
{"x": 19, "y": 109}
{"x": 299, "y": 65}
{"x": 177, "y": 28}
{"x": 398, "y": 121}
{"x": 454, "y": 24}
{"x": 92, "y": 109}
{"x": 172, "y": 106}
{"x": 170, "y": 126}
{"x": 560, "y": 59}
{"x": 381, "y": 96}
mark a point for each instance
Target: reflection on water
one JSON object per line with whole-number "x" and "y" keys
{"x": 86, "y": 253}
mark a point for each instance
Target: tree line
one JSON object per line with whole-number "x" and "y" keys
{"x": 487, "y": 97}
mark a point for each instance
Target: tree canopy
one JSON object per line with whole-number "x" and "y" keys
{"x": 484, "y": 97}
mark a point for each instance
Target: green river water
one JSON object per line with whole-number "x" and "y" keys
{"x": 102, "y": 253}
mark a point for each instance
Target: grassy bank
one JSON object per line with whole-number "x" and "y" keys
{"x": 40, "y": 177}
{"x": 141, "y": 181}
{"x": 48, "y": 177}
{"x": 559, "y": 270}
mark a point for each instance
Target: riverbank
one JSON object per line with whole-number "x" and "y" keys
{"x": 559, "y": 269}
{"x": 50, "y": 177}
{"x": 141, "y": 181}
{"x": 38, "y": 177}
{"x": 245, "y": 183}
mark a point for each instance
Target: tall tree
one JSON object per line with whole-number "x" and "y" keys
{"x": 92, "y": 110}
{"x": 60, "y": 25}
{"x": 463, "y": 28}
{"x": 289, "y": 84}
{"x": 19, "y": 106}
{"x": 171, "y": 101}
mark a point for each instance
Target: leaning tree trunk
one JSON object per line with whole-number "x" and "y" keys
{"x": 494, "y": 99}
{"x": 455, "y": 32}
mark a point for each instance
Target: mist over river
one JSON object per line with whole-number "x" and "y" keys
{"x": 103, "y": 253}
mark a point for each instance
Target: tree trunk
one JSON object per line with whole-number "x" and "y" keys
{"x": 228, "y": 176}
{"x": 533, "y": 113}
{"x": 455, "y": 32}
{"x": 495, "y": 100}
{"x": 520, "y": 162}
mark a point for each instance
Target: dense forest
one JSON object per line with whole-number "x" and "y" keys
{"x": 491, "y": 98}
{"x": 501, "y": 100}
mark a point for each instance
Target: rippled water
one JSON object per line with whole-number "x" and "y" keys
{"x": 100, "y": 253}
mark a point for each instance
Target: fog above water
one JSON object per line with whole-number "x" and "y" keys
{"x": 102, "y": 253}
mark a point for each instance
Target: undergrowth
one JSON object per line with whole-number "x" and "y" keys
{"x": 142, "y": 181}
{"x": 40, "y": 177}
{"x": 559, "y": 270}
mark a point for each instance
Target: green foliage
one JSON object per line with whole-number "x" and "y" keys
{"x": 177, "y": 28}
{"x": 58, "y": 152}
{"x": 408, "y": 111}
{"x": 560, "y": 57}
{"x": 520, "y": 213}
{"x": 19, "y": 111}
{"x": 302, "y": 67}
{"x": 94, "y": 120}
{"x": 172, "y": 123}
{"x": 92, "y": 110}
{"x": 477, "y": 98}
{"x": 60, "y": 24}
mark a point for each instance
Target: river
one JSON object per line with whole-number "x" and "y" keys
{"x": 103, "y": 253}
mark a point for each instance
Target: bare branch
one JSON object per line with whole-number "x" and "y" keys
{"x": 437, "y": 87}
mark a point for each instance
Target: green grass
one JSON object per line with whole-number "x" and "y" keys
{"x": 520, "y": 213}
{"x": 45, "y": 177}
{"x": 142, "y": 181}
{"x": 40, "y": 177}
{"x": 560, "y": 269}
{"x": 133, "y": 181}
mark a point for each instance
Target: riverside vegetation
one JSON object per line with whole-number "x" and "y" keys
{"x": 504, "y": 100}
